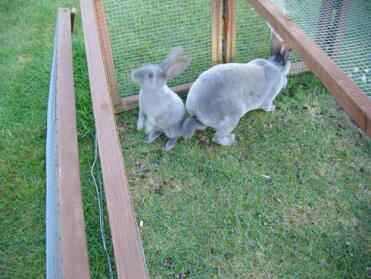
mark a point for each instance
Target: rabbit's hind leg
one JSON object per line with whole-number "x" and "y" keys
{"x": 154, "y": 135}
{"x": 170, "y": 144}
{"x": 223, "y": 134}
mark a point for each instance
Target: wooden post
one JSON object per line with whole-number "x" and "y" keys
{"x": 73, "y": 16}
{"x": 107, "y": 55}
{"x": 350, "y": 97}
{"x": 129, "y": 257}
{"x": 73, "y": 240}
{"x": 230, "y": 30}
{"x": 217, "y": 30}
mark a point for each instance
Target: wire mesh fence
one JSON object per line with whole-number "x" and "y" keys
{"x": 342, "y": 28}
{"x": 143, "y": 32}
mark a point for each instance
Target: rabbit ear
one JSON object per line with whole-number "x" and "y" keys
{"x": 173, "y": 64}
{"x": 177, "y": 67}
{"x": 171, "y": 58}
{"x": 286, "y": 54}
{"x": 275, "y": 44}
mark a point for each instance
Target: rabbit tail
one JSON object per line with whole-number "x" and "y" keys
{"x": 190, "y": 125}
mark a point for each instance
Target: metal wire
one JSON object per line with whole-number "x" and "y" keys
{"x": 144, "y": 31}
{"x": 99, "y": 192}
{"x": 342, "y": 28}
{"x": 53, "y": 249}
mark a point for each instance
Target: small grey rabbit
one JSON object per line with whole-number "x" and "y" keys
{"x": 160, "y": 109}
{"x": 224, "y": 93}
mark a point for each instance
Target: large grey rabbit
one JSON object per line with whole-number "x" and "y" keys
{"x": 224, "y": 93}
{"x": 160, "y": 109}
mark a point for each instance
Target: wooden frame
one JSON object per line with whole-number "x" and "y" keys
{"x": 129, "y": 257}
{"x": 131, "y": 102}
{"x": 230, "y": 30}
{"x": 350, "y": 97}
{"x": 72, "y": 258}
{"x": 128, "y": 252}
{"x": 217, "y": 30}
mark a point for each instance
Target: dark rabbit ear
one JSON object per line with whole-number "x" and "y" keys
{"x": 171, "y": 58}
{"x": 275, "y": 44}
{"x": 286, "y": 54}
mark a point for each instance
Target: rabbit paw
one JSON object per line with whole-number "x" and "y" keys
{"x": 269, "y": 108}
{"x": 140, "y": 126}
{"x": 201, "y": 127}
{"x": 170, "y": 144}
{"x": 226, "y": 140}
{"x": 153, "y": 135}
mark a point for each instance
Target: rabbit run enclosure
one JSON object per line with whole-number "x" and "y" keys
{"x": 134, "y": 33}
{"x": 122, "y": 35}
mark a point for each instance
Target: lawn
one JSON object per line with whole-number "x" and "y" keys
{"x": 289, "y": 200}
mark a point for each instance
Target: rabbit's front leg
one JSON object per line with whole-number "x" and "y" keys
{"x": 141, "y": 120}
{"x": 154, "y": 135}
{"x": 170, "y": 144}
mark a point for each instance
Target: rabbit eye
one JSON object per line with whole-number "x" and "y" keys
{"x": 150, "y": 75}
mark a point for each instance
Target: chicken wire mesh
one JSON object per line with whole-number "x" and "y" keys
{"x": 252, "y": 34}
{"x": 144, "y": 31}
{"x": 342, "y": 28}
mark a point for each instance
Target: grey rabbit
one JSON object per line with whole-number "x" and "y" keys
{"x": 224, "y": 93}
{"x": 160, "y": 109}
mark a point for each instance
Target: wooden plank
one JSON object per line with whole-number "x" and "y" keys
{"x": 217, "y": 30}
{"x": 106, "y": 47}
{"x": 350, "y": 97}
{"x": 131, "y": 102}
{"x": 230, "y": 30}
{"x": 73, "y": 239}
{"x": 126, "y": 242}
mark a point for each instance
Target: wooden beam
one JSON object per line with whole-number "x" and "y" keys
{"x": 230, "y": 30}
{"x": 73, "y": 240}
{"x": 350, "y": 97}
{"x": 217, "y": 30}
{"x": 126, "y": 242}
{"x": 106, "y": 47}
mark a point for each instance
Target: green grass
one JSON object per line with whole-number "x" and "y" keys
{"x": 26, "y": 47}
{"x": 289, "y": 200}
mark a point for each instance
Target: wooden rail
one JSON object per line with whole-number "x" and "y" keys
{"x": 106, "y": 47}
{"x": 74, "y": 257}
{"x": 126, "y": 242}
{"x": 350, "y": 97}
{"x": 230, "y": 30}
{"x": 217, "y": 30}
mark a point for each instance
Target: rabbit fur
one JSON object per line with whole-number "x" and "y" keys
{"x": 224, "y": 93}
{"x": 160, "y": 109}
